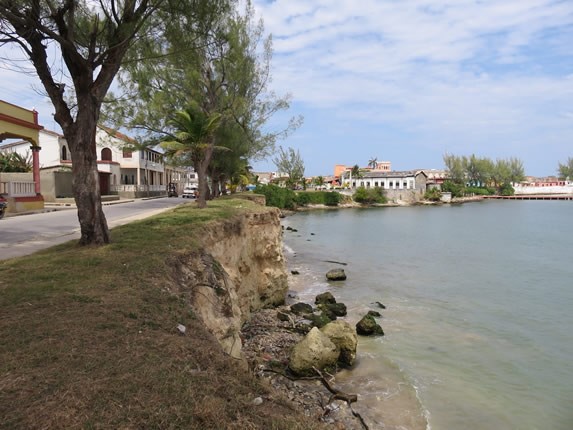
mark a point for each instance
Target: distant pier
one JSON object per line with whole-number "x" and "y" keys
{"x": 533, "y": 197}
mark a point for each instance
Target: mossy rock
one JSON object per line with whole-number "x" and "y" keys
{"x": 336, "y": 275}
{"x": 368, "y": 326}
{"x": 301, "y": 308}
{"x": 324, "y": 298}
{"x": 319, "y": 320}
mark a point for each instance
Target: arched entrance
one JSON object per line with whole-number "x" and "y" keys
{"x": 19, "y": 123}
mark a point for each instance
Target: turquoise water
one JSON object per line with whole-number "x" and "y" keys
{"x": 479, "y": 317}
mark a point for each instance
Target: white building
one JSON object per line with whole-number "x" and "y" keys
{"x": 406, "y": 186}
{"x": 125, "y": 168}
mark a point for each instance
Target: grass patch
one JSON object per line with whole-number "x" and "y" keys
{"x": 88, "y": 338}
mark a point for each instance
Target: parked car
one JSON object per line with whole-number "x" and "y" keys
{"x": 3, "y": 206}
{"x": 171, "y": 190}
{"x": 189, "y": 192}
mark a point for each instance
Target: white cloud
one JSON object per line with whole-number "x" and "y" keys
{"x": 454, "y": 69}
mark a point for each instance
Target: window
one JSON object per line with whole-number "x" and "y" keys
{"x": 127, "y": 153}
{"x": 375, "y": 184}
{"x": 106, "y": 154}
{"x": 64, "y": 152}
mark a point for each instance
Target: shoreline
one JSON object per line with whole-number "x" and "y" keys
{"x": 385, "y": 398}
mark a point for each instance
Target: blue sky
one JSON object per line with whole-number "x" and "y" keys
{"x": 408, "y": 80}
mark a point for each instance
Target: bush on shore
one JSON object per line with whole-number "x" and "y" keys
{"x": 328, "y": 198}
{"x": 433, "y": 195}
{"x": 369, "y": 195}
{"x": 282, "y": 198}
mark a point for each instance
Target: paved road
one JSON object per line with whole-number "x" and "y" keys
{"x": 25, "y": 234}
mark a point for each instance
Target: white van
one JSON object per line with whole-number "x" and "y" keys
{"x": 189, "y": 192}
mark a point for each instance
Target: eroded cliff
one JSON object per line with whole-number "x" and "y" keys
{"x": 237, "y": 269}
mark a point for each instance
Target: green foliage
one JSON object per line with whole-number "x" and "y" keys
{"x": 506, "y": 189}
{"x": 456, "y": 189}
{"x": 290, "y": 162}
{"x": 282, "y": 198}
{"x": 433, "y": 195}
{"x": 479, "y": 191}
{"x": 481, "y": 171}
{"x": 332, "y": 198}
{"x": 327, "y": 198}
{"x": 566, "y": 170}
{"x": 369, "y": 195}
{"x": 12, "y": 162}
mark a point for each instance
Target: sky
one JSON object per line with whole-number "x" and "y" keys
{"x": 407, "y": 81}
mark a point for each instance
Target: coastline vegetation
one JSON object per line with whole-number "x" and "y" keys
{"x": 481, "y": 176}
{"x": 286, "y": 198}
{"x": 89, "y": 337}
{"x": 370, "y": 195}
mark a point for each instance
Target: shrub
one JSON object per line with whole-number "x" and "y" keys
{"x": 457, "y": 190}
{"x": 479, "y": 191}
{"x": 433, "y": 195}
{"x": 279, "y": 197}
{"x": 318, "y": 198}
{"x": 331, "y": 198}
{"x": 506, "y": 189}
{"x": 303, "y": 199}
{"x": 369, "y": 195}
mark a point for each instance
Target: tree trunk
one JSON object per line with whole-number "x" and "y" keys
{"x": 85, "y": 184}
{"x": 202, "y": 168}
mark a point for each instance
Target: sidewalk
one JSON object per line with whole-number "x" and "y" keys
{"x": 56, "y": 206}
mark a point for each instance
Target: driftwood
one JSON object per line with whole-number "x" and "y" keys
{"x": 336, "y": 262}
{"x": 335, "y": 394}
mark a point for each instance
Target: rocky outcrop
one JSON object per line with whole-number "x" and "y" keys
{"x": 344, "y": 337}
{"x": 239, "y": 268}
{"x": 316, "y": 350}
{"x": 336, "y": 275}
{"x": 368, "y": 326}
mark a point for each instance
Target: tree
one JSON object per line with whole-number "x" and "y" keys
{"x": 319, "y": 181}
{"x": 456, "y": 168}
{"x": 225, "y": 71}
{"x": 193, "y": 138}
{"x": 356, "y": 172}
{"x": 14, "y": 162}
{"x": 373, "y": 162}
{"x": 566, "y": 170}
{"x": 516, "y": 170}
{"x": 290, "y": 162}
{"x": 91, "y": 42}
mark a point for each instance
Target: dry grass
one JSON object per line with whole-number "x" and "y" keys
{"x": 88, "y": 339}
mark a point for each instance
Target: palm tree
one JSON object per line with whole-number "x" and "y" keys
{"x": 193, "y": 137}
{"x": 373, "y": 162}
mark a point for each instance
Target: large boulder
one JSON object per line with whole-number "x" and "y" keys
{"x": 324, "y": 298}
{"x": 368, "y": 326}
{"x": 301, "y": 308}
{"x": 321, "y": 319}
{"x": 338, "y": 309}
{"x": 315, "y": 350}
{"x": 343, "y": 336}
{"x": 336, "y": 275}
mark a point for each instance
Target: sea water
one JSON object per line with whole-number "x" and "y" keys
{"x": 479, "y": 318}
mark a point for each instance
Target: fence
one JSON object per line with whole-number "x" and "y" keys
{"x": 18, "y": 189}
{"x": 137, "y": 188}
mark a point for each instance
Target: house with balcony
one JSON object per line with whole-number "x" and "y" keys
{"x": 125, "y": 168}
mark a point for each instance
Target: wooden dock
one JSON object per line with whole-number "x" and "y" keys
{"x": 533, "y": 197}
